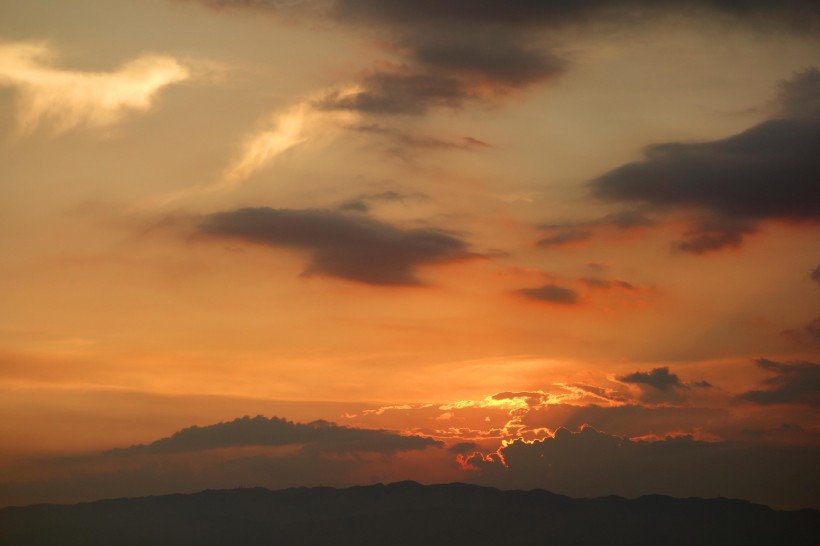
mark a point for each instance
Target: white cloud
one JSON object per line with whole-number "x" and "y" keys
{"x": 60, "y": 100}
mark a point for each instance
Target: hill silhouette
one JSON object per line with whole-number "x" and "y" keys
{"x": 406, "y": 513}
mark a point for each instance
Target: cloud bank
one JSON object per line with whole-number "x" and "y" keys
{"x": 592, "y": 463}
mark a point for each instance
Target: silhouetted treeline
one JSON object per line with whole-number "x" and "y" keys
{"x": 406, "y": 513}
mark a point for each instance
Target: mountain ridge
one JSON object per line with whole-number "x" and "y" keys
{"x": 405, "y": 513}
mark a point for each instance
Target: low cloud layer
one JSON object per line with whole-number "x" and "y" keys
{"x": 348, "y": 246}
{"x": 59, "y": 100}
{"x": 768, "y": 172}
{"x": 246, "y": 452}
{"x": 593, "y": 463}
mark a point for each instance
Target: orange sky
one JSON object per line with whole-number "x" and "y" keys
{"x": 314, "y": 210}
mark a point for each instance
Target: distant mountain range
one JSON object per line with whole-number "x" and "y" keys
{"x": 406, "y": 513}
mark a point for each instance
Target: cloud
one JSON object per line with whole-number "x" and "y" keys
{"x": 361, "y": 203}
{"x": 631, "y": 420}
{"x": 806, "y": 334}
{"x": 536, "y": 13}
{"x": 813, "y": 328}
{"x": 561, "y": 234}
{"x": 403, "y": 144}
{"x": 794, "y": 383}
{"x": 399, "y": 93}
{"x": 714, "y": 234}
{"x": 260, "y": 431}
{"x": 603, "y": 283}
{"x": 566, "y": 236}
{"x": 531, "y": 398}
{"x": 658, "y": 378}
{"x": 815, "y": 274}
{"x": 462, "y": 448}
{"x": 246, "y": 452}
{"x": 61, "y": 100}
{"x": 551, "y": 293}
{"x": 592, "y": 463}
{"x": 460, "y": 51}
{"x": 447, "y": 54}
{"x": 660, "y": 385}
{"x": 282, "y": 131}
{"x": 446, "y": 74}
{"x": 768, "y": 172}
{"x": 348, "y": 246}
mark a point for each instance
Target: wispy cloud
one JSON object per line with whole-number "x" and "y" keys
{"x": 300, "y": 124}
{"x": 60, "y": 100}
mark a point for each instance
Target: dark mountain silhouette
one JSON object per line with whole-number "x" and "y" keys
{"x": 406, "y": 513}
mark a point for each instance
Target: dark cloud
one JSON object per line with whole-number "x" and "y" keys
{"x": 815, "y": 274}
{"x": 659, "y": 378}
{"x": 807, "y": 334}
{"x": 800, "y": 96}
{"x": 627, "y": 219}
{"x": 714, "y": 234}
{"x": 410, "y": 93}
{"x": 505, "y": 64}
{"x": 767, "y": 172}
{"x": 452, "y": 52}
{"x": 538, "y": 13}
{"x": 567, "y": 236}
{"x": 794, "y": 383}
{"x": 462, "y": 448}
{"x": 246, "y": 452}
{"x": 348, "y": 246}
{"x": 657, "y": 386}
{"x": 551, "y": 293}
{"x": 448, "y": 74}
{"x": 813, "y": 328}
{"x": 593, "y": 463}
{"x": 361, "y": 203}
{"x": 599, "y": 392}
{"x": 404, "y": 140}
{"x": 407, "y": 145}
{"x": 561, "y": 234}
{"x": 261, "y": 431}
{"x": 601, "y": 282}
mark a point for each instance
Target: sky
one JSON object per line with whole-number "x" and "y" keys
{"x": 523, "y": 244}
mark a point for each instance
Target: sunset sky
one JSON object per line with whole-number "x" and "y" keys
{"x": 569, "y": 245}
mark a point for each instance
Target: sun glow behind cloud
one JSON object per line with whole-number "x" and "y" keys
{"x": 60, "y": 100}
